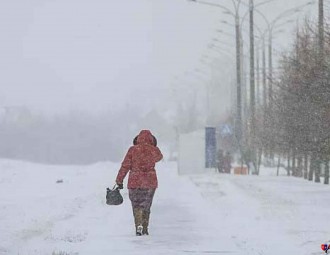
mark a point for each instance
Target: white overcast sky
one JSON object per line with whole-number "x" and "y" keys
{"x": 58, "y": 55}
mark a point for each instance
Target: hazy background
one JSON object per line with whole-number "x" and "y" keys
{"x": 79, "y": 79}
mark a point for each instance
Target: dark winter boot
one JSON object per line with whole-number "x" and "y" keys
{"x": 138, "y": 220}
{"x": 145, "y": 222}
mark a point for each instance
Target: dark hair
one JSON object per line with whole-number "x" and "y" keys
{"x": 153, "y": 138}
{"x": 135, "y": 140}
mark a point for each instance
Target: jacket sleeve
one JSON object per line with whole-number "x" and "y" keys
{"x": 126, "y": 165}
{"x": 158, "y": 156}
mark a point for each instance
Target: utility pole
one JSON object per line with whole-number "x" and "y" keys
{"x": 235, "y": 14}
{"x": 264, "y": 93}
{"x": 270, "y": 65}
{"x": 252, "y": 76}
{"x": 264, "y": 75}
{"x": 270, "y": 93}
{"x": 238, "y": 80}
{"x": 252, "y": 85}
{"x": 258, "y": 75}
{"x": 321, "y": 26}
{"x": 322, "y": 64}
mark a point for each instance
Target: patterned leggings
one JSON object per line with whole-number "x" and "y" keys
{"x": 141, "y": 198}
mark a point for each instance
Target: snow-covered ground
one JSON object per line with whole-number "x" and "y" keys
{"x": 199, "y": 214}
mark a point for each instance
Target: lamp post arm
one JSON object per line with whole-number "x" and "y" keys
{"x": 262, "y": 3}
{"x": 284, "y": 14}
{"x": 215, "y": 5}
{"x": 237, "y": 4}
{"x": 254, "y": 8}
{"x": 288, "y": 13}
{"x": 260, "y": 13}
{"x": 259, "y": 4}
{"x": 261, "y": 33}
{"x": 264, "y": 18}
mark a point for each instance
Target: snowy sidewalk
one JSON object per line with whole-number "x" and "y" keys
{"x": 268, "y": 214}
{"x": 39, "y": 216}
{"x": 181, "y": 223}
{"x": 203, "y": 214}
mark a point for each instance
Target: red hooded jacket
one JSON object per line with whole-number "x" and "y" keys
{"x": 140, "y": 162}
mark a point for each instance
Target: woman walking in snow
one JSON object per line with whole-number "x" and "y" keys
{"x": 140, "y": 162}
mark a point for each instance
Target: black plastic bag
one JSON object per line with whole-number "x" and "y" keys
{"x": 114, "y": 197}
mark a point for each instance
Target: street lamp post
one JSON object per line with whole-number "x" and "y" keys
{"x": 264, "y": 72}
{"x": 252, "y": 83}
{"x": 270, "y": 66}
{"x": 239, "y": 80}
{"x": 270, "y": 28}
{"x": 264, "y": 68}
{"x": 321, "y": 28}
{"x": 235, "y": 14}
{"x": 257, "y": 75}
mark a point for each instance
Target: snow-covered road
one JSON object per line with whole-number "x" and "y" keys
{"x": 204, "y": 214}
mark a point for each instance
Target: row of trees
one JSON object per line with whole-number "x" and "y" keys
{"x": 296, "y": 121}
